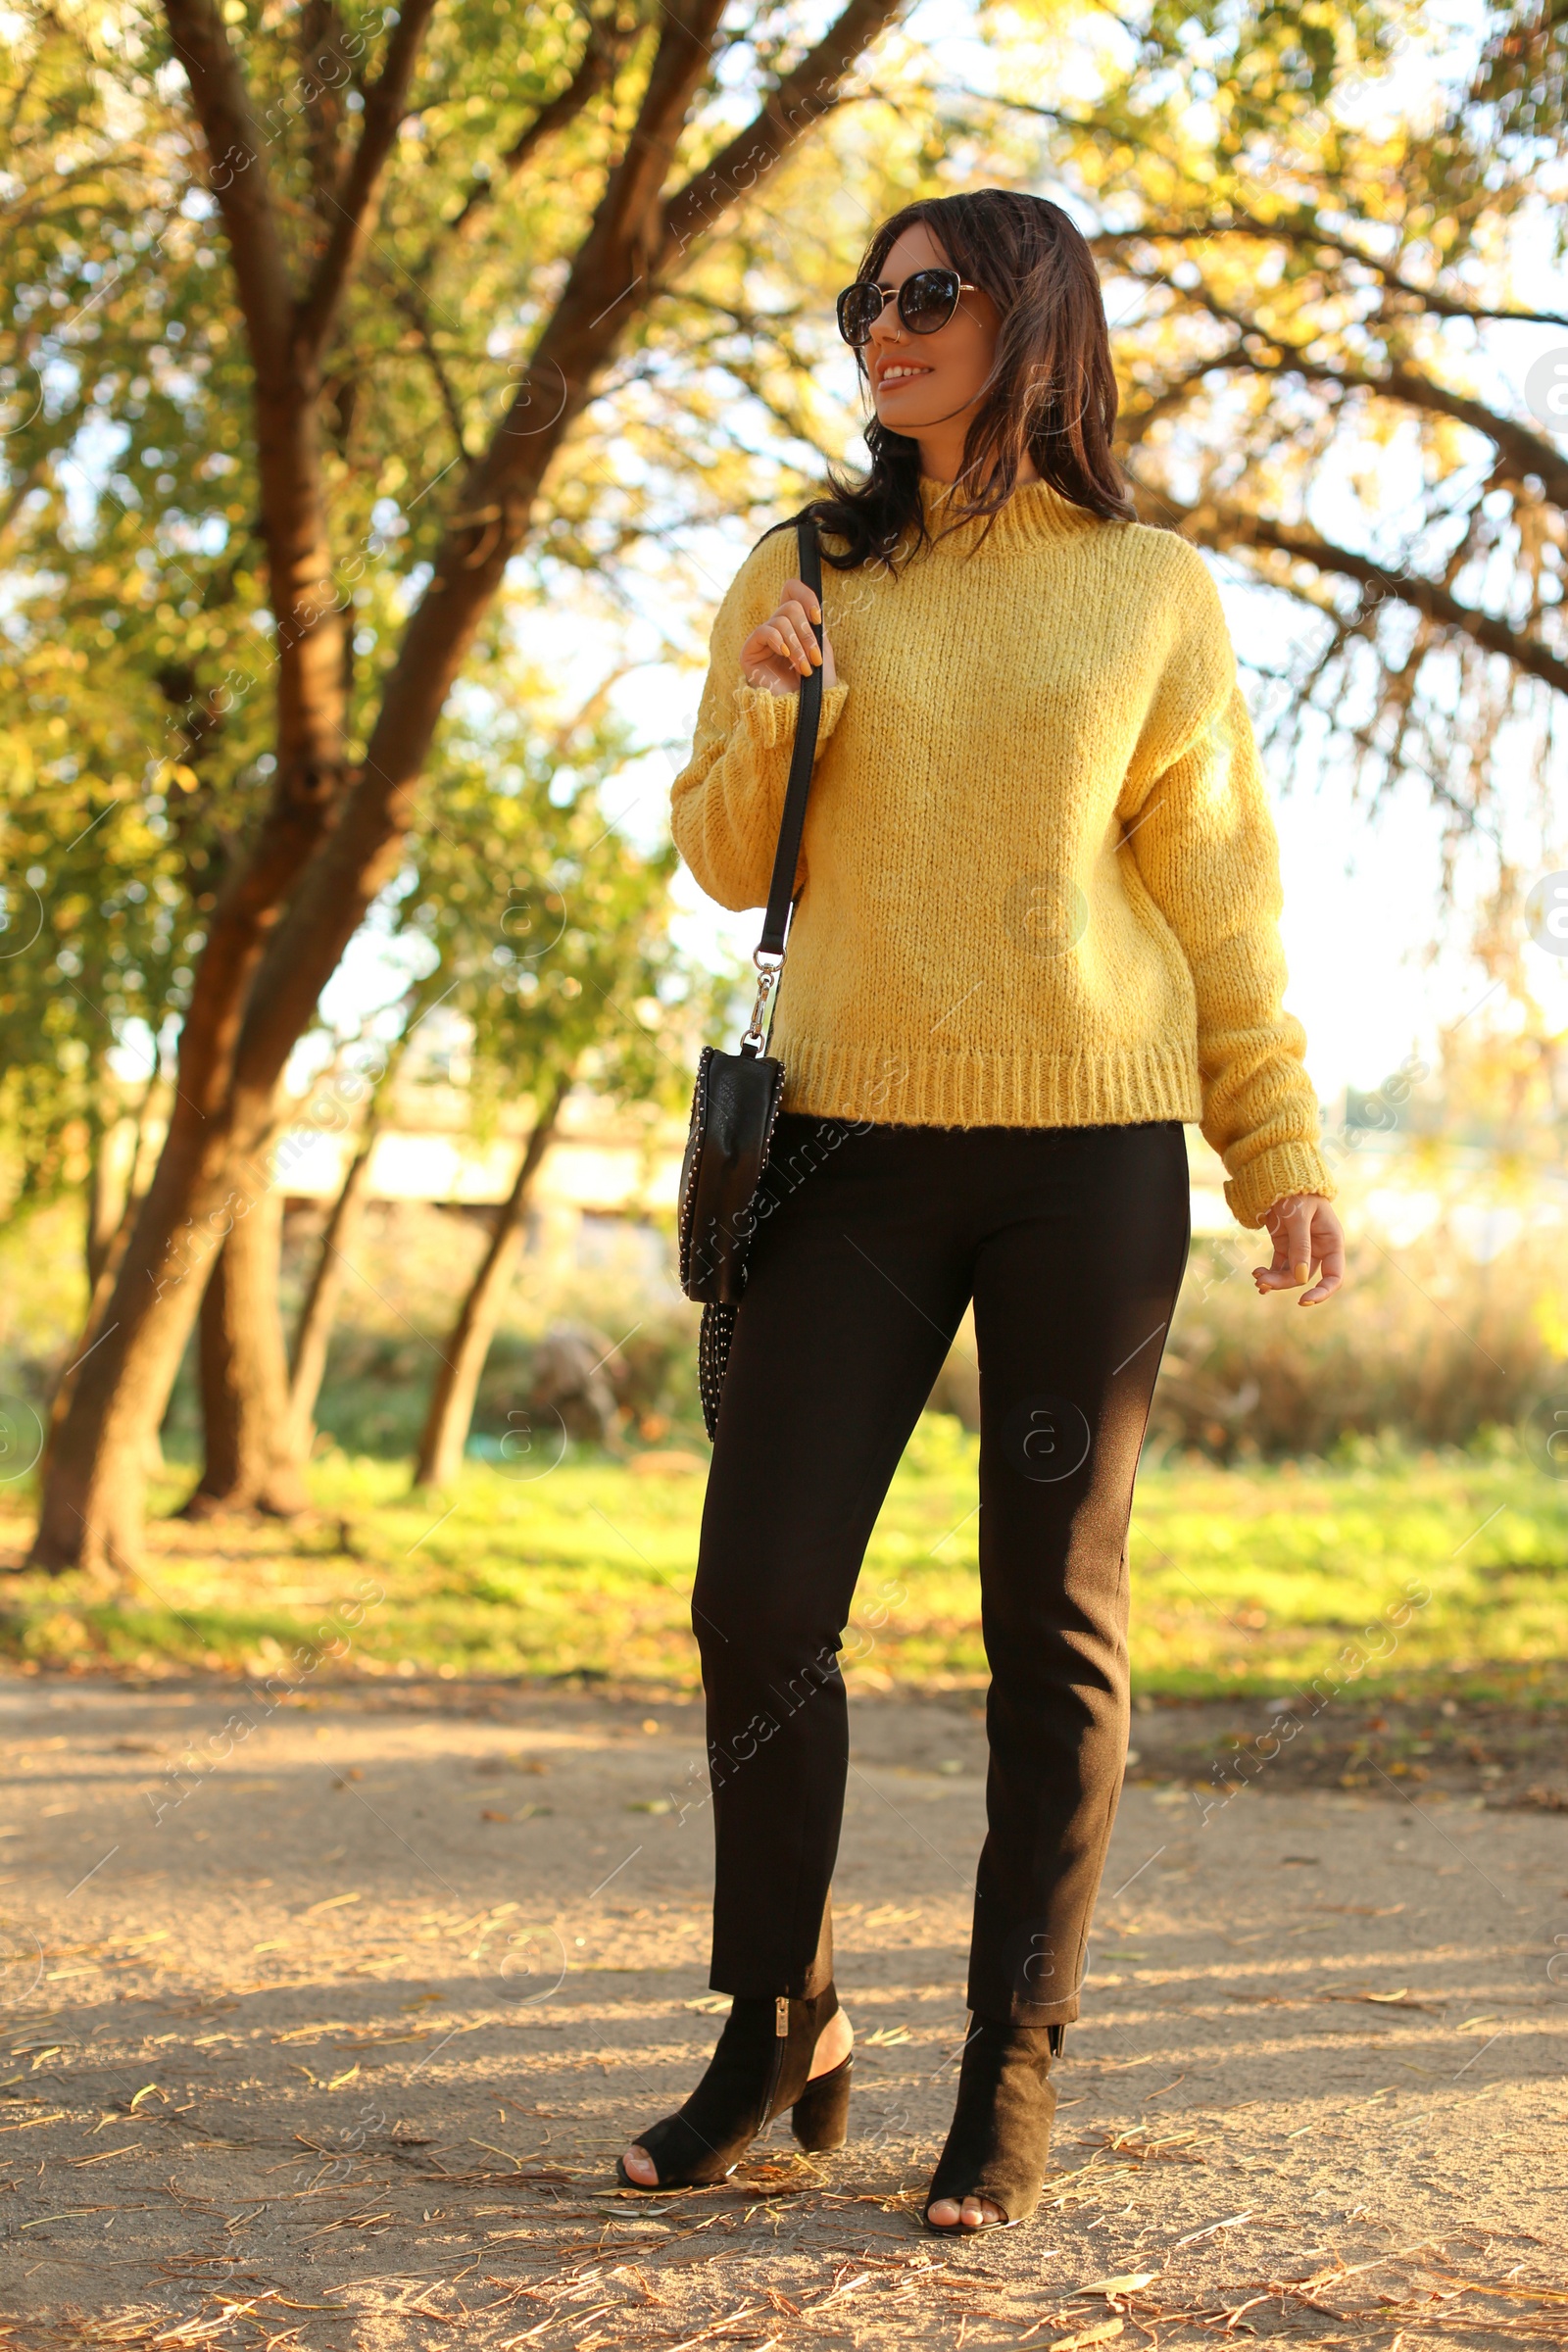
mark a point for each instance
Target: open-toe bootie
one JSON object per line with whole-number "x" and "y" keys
{"x": 1000, "y": 2134}
{"x": 762, "y": 2065}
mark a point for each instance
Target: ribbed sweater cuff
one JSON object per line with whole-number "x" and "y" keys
{"x": 1282, "y": 1170}
{"x": 769, "y": 719}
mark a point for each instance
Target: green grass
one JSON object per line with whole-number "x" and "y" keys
{"x": 1246, "y": 1582}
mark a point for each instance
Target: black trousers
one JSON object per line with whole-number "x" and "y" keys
{"x": 1071, "y": 1243}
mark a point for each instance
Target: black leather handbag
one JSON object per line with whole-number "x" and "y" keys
{"x": 736, "y": 1100}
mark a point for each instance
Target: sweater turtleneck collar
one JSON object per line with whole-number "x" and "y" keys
{"x": 1033, "y": 514}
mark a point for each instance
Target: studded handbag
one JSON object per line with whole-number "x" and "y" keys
{"x": 735, "y": 1103}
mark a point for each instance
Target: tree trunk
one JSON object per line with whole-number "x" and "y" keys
{"x": 330, "y": 842}
{"x": 104, "y": 1276}
{"x": 457, "y": 1384}
{"x": 95, "y": 1495}
{"x": 251, "y": 1464}
{"x": 108, "y": 1193}
{"x": 320, "y": 1312}
{"x": 314, "y": 1333}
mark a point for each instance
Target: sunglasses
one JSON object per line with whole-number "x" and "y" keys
{"x": 926, "y": 302}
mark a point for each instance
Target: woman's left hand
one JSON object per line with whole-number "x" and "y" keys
{"x": 1308, "y": 1238}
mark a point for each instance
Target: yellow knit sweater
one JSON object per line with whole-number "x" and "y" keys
{"x": 1040, "y": 884}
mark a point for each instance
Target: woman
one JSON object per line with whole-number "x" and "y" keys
{"x": 1036, "y": 932}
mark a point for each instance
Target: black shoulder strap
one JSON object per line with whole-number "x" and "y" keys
{"x": 808, "y": 718}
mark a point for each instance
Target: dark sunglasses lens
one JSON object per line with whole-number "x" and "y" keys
{"x": 860, "y": 308}
{"x": 928, "y": 300}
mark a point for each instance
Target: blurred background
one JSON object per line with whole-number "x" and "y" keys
{"x": 382, "y": 428}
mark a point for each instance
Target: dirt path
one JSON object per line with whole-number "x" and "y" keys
{"x": 330, "y": 2040}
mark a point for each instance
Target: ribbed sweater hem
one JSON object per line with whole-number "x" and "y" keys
{"x": 975, "y": 1089}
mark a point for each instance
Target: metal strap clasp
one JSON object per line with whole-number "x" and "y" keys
{"x": 769, "y": 968}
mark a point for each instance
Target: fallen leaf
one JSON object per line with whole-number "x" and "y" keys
{"x": 1126, "y": 2282}
{"x": 1386, "y": 2000}
{"x": 1232, "y": 2221}
{"x": 1088, "y": 2336}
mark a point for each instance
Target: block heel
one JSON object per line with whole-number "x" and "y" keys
{"x": 820, "y": 2116}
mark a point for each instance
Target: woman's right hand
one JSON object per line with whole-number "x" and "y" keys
{"x": 782, "y": 652}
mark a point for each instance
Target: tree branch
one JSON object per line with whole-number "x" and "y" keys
{"x": 319, "y": 33}
{"x": 625, "y": 216}
{"x": 410, "y": 302}
{"x": 602, "y": 54}
{"x": 1305, "y": 231}
{"x": 1229, "y": 531}
{"x": 385, "y": 103}
{"x": 1527, "y": 452}
{"x": 809, "y": 91}
{"x": 237, "y": 178}
{"x": 1132, "y": 424}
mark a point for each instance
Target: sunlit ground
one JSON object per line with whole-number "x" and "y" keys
{"x": 1396, "y": 1574}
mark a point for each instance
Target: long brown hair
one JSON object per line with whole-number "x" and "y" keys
{"x": 1052, "y": 393}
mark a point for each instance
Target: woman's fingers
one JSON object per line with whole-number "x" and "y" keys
{"x": 785, "y": 639}
{"x": 1276, "y": 1276}
{"x": 1330, "y": 1242}
{"x": 783, "y": 650}
{"x": 793, "y": 619}
{"x": 796, "y": 592}
{"x": 766, "y": 663}
{"x": 1309, "y": 1239}
{"x": 1299, "y": 1241}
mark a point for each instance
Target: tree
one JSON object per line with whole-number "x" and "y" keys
{"x": 314, "y": 1331}
{"x": 542, "y": 977}
{"x": 463, "y": 1359}
{"x": 1310, "y": 247}
{"x": 1315, "y": 257}
{"x": 578, "y": 978}
{"x": 251, "y": 1461}
{"x": 366, "y": 205}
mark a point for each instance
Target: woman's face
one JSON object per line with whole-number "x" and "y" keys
{"x": 925, "y": 381}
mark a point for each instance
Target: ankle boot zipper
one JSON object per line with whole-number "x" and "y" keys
{"x": 781, "y": 2043}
